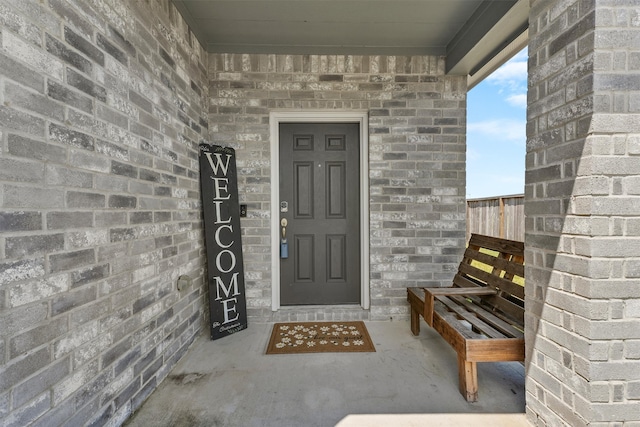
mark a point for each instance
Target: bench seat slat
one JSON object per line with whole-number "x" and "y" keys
{"x": 501, "y": 307}
{"x": 430, "y": 293}
{"x": 452, "y": 320}
{"x": 505, "y": 327}
{"x": 474, "y": 320}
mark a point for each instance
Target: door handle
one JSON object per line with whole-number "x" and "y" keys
{"x": 284, "y": 245}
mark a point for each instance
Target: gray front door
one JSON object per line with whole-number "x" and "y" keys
{"x": 320, "y": 199}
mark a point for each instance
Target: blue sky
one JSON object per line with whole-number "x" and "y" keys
{"x": 496, "y": 131}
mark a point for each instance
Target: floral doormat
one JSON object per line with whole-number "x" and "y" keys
{"x": 319, "y": 337}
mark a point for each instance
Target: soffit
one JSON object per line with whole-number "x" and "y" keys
{"x": 467, "y": 32}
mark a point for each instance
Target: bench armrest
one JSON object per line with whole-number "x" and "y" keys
{"x": 431, "y": 293}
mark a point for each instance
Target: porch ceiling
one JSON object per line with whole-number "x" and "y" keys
{"x": 468, "y": 32}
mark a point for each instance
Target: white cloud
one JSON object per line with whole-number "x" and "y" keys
{"x": 510, "y": 71}
{"x": 511, "y": 79}
{"x": 518, "y": 100}
{"x": 501, "y": 130}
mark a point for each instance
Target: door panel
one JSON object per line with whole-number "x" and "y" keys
{"x": 303, "y": 190}
{"x": 336, "y": 258}
{"x": 304, "y": 258}
{"x": 336, "y": 190}
{"x": 320, "y": 181}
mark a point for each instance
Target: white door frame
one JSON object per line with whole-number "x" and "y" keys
{"x": 362, "y": 119}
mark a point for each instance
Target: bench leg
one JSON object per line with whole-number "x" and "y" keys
{"x": 468, "y": 377}
{"x": 415, "y": 322}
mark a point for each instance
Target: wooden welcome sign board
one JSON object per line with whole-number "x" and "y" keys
{"x": 219, "y": 185}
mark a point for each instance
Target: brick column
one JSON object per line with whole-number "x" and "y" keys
{"x": 583, "y": 213}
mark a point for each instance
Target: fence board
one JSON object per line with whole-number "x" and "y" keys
{"x": 500, "y": 216}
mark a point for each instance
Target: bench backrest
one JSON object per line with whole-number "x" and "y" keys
{"x": 499, "y": 264}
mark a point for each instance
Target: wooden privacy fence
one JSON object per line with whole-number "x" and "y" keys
{"x": 500, "y": 216}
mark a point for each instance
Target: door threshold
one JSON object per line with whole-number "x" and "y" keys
{"x": 320, "y": 313}
{"x": 321, "y": 306}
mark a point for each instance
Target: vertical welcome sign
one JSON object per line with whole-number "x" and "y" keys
{"x": 219, "y": 185}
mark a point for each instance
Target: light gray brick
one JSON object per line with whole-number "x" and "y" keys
{"x": 32, "y": 197}
{"x": 77, "y": 199}
{"x": 112, "y": 50}
{"x": 20, "y": 221}
{"x": 81, "y": 335}
{"x": 71, "y": 300}
{"x": 33, "y": 149}
{"x": 633, "y": 390}
{"x": 79, "y": 42}
{"x": 88, "y": 275}
{"x": 90, "y": 161}
{"x": 108, "y": 219}
{"x": 33, "y": 338}
{"x": 16, "y": 247}
{"x": 59, "y": 415}
{"x": 64, "y": 135}
{"x": 118, "y": 201}
{"x": 112, "y": 116}
{"x": 12, "y": 119}
{"x": 67, "y": 13}
{"x": 17, "y": 24}
{"x": 70, "y": 97}
{"x": 618, "y": 411}
{"x": 112, "y": 150}
{"x": 30, "y": 412}
{"x": 75, "y": 381}
{"x": 69, "y": 219}
{"x": 23, "y": 269}
{"x": 19, "y": 369}
{"x": 92, "y": 388}
{"x": 87, "y": 238}
{"x": 70, "y": 260}
{"x": 20, "y": 73}
{"x": 86, "y": 85}
{"x": 59, "y": 49}
{"x": 31, "y": 55}
{"x": 632, "y": 309}
{"x": 15, "y": 321}
{"x": 83, "y": 316}
{"x": 83, "y": 415}
{"x": 62, "y": 176}
{"x": 39, "y": 290}
{"x": 17, "y": 96}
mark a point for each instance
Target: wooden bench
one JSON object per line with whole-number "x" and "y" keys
{"x": 482, "y": 315}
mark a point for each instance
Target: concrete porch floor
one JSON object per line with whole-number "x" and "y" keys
{"x": 231, "y": 382}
